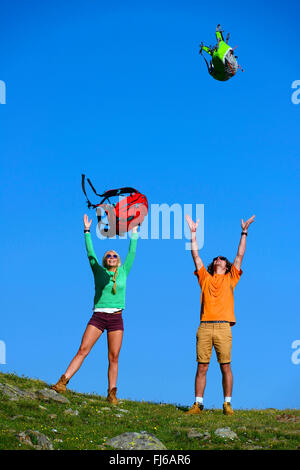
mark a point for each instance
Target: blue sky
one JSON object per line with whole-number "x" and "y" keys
{"x": 119, "y": 92}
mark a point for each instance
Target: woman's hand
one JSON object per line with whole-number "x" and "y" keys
{"x": 87, "y": 222}
{"x": 246, "y": 224}
{"x": 193, "y": 225}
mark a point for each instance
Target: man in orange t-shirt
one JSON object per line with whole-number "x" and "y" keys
{"x": 217, "y": 315}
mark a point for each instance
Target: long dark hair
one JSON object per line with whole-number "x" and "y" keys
{"x": 210, "y": 267}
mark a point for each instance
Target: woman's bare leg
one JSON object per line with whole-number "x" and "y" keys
{"x": 90, "y": 336}
{"x": 114, "y": 341}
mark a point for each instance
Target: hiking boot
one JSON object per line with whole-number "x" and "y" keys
{"x": 61, "y": 385}
{"x": 196, "y": 409}
{"x": 111, "y": 396}
{"x": 227, "y": 410}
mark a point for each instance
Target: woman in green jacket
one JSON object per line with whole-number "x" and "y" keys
{"x": 109, "y": 301}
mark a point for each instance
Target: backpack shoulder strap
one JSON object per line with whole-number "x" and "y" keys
{"x": 107, "y": 194}
{"x": 83, "y": 189}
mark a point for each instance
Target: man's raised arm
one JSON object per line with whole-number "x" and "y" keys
{"x": 242, "y": 245}
{"x": 194, "y": 245}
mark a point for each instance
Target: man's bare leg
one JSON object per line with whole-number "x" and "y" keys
{"x": 227, "y": 379}
{"x": 200, "y": 380}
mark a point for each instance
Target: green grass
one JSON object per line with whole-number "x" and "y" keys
{"x": 265, "y": 429}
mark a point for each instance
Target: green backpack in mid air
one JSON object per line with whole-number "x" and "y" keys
{"x": 223, "y": 64}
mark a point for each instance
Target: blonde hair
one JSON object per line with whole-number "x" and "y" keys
{"x": 114, "y": 289}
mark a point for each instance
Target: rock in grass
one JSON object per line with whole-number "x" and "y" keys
{"x": 122, "y": 410}
{"x": 35, "y": 439}
{"x": 136, "y": 441}
{"x": 226, "y": 433}
{"x": 15, "y": 393}
{"x": 195, "y": 434}
{"x": 286, "y": 418}
{"x": 71, "y": 412}
{"x": 48, "y": 394}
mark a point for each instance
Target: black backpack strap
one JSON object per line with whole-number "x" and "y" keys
{"x": 89, "y": 181}
{"x": 83, "y": 189}
{"x": 117, "y": 192}
{"x": 107, "y": 194}
{"x": 201, "y": 53}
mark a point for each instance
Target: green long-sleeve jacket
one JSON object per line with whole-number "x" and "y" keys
{"x": 104, "y": 297}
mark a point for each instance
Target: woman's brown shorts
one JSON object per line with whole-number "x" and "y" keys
{"x": 217, "y": 335}
{"x": 107, "y": 321}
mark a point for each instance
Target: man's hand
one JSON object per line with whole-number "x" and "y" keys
{"x": 246, "y": 224}
{"x": 242, "y": 246}
{"x": 193, "y": 225}
{"x": 195, "y": 254}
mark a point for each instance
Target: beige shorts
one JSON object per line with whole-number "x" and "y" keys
{"x": 217, "y": 335}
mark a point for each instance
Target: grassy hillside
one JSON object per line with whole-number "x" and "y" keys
{"x": 88, "y": 421}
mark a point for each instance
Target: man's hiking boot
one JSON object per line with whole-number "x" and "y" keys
{"x": 227, "y": 410}
{"x": 196, "y": 409}
{"x": 61, "y": 385}
{"x": 111, "y": 396}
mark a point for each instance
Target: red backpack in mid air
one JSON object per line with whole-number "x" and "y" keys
{"x": 122, "y": 216}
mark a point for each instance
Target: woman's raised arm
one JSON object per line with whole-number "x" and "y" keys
{"x": 131, "y": 252}
{"x": 89, "y": 244}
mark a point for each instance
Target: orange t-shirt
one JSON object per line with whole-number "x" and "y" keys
{"x": 217, "y": 294}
